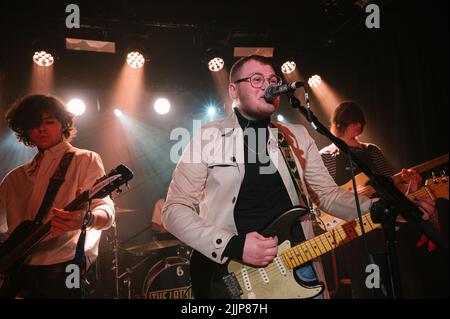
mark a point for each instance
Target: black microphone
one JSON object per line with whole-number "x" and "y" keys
{"x": 271, "y": 92}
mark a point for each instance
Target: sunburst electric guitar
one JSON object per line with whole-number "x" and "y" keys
{"x": 240, "y": 281}
{"x": 363, "y": 187}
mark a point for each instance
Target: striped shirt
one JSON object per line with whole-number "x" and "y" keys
{"x": 339, "y": 168}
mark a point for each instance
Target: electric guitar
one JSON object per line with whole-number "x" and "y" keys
{"x": 363, "y": 187}
{"x": 15, "y": 250}
{"x": 276, "y": 280}
{"x": 362, "y": 181}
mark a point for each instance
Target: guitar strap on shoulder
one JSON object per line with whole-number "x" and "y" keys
{"x": 292, "y": 166}
{"x": 289, "y": 159}
{"x": 54, "y": 184}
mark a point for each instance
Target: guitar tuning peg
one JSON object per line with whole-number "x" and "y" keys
{"x": 443, "y": 174}
{"x": 433, "y": 174}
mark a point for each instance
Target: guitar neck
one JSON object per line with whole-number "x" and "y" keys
{"x": 338, "y": 236}
{"x": 77, "y": 202}
{"x": 397, "y": 178}
{"x": 319, "y": 245}
{"x": 44, "y": 230}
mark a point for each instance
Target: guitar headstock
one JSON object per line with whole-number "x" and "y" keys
{"x": 112, "y": 181}
{"x": 438, "y": 186}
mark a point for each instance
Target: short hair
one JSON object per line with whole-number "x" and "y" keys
{"x": 237, "y": 66}
{"x": 26, "y": 113}
{"x": 347, "y": 113}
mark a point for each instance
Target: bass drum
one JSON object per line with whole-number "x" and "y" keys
{"x": 168, "y": 279}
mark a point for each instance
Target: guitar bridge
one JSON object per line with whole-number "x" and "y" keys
{"x": 233, "y": 286}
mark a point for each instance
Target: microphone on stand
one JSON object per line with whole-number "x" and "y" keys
{"x": 271, "y": 92}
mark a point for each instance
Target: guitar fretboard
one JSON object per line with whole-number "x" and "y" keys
{"x": 317, "y": 246}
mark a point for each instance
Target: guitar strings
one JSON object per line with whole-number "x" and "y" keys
{"x": 255, "y": 276}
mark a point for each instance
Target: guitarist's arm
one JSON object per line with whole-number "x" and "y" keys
{"x": 322, "y": 188}
{"x": 412, "y": 181}
{"x": 179, "y": 215}
{"x": 64, "y": 221}
{"x": 91, "y": 168}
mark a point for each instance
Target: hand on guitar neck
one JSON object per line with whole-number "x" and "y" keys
{"x": 412, "y": 181}
{"x": 64, "y": 221}
{"x": 408, "y": 181}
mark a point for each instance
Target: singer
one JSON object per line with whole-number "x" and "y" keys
{"x": 238, "y": 199}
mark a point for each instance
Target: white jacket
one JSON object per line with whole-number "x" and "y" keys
{"x": 210, "y": 174}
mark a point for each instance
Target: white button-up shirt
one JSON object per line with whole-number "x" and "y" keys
{"x": 22, "y": 191}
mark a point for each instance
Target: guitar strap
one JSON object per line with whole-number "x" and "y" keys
{"x": 54, "y": 184}
{"x": 289, "y": 158}
{"x": 293, "y": 170}
{"x": 290, "y": 162}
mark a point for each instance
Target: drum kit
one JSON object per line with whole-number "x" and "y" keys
{"x": 167, "y": 259}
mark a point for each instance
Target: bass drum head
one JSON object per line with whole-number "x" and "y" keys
{"x": 169, "y": 278}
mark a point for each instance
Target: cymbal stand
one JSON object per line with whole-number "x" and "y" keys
{"x": 115, "y": 245}
{"x": 125, "y": 276}
{"x": 128, "y": 271}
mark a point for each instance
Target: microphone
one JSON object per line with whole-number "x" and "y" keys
{"x": 271, "y": 92}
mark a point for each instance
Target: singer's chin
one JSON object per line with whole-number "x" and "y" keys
{"x": 271, "y": 109}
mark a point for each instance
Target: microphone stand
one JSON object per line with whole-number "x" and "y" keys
{"x": 398, "y": 203}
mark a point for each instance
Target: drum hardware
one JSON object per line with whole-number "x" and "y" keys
{"x": 127, "y": 282}
{"x": 126, "y": 275}
{"x": 114, "y": 241}
{"x": 144, "y": 249}
{"x": 117, "y": 247}
{"x": 169, "y": 278}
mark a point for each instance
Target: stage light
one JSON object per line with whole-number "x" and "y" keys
{"x": 162, "y": 106}
{"x": 211, "y": 111}
{"x": 43, "y": 58}
{"x": 280, "y": 118}
{"x": 118, "y": 113}
{"x": 76, "y": 107}
{"x": 314, "y": 81}
{"x": 216, "y": 64}
{"x": 135, "y": 59}
{"x": 288, "y": 67}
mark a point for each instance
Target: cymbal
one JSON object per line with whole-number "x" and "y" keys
{"x": 152, "y": 246}
{"x": 120, "y": 210}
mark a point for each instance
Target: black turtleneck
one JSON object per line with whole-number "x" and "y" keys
{"x": 262, "y": 197}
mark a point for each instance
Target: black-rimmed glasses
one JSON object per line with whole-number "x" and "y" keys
{"x": 257, "y": 80}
